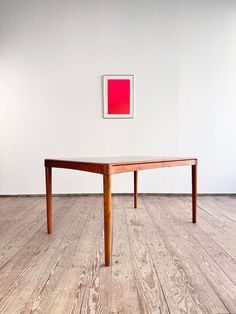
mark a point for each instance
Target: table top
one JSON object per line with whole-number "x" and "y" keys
{"x": 123, "y": 159}
{"x": 110, "y": 165}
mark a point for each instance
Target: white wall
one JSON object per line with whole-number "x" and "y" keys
{"x": 52, "y": 56}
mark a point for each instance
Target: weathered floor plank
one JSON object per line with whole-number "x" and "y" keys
{"x": 124, "y": 296}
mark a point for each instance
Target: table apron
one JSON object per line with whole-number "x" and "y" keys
{"x": 152, "y": 165}
{"x": 88, "y": 167}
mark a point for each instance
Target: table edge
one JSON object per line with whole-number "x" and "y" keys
{"x": 118, "y": 167}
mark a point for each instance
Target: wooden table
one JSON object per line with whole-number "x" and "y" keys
{"x": 113, "y": 165}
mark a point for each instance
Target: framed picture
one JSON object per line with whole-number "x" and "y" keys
{"x": 118, "y": 96}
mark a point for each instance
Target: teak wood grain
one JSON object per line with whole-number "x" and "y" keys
{"x": 107, "y": 217}
{"x": 114, "y": 165}
{"x": 135, "y": 189}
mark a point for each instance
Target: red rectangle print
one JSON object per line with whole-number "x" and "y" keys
{"x": 118, "y": 96}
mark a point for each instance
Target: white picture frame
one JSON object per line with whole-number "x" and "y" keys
{"x": 107, "y": 80}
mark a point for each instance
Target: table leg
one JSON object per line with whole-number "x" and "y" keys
{"x": 48, "y": 174}
{"x": 107, "y": 217}
{"x": 135, "y": 189}
{"x": 194, "y": 193}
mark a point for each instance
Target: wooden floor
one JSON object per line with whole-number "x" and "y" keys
{"x": 161, "y": 262}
